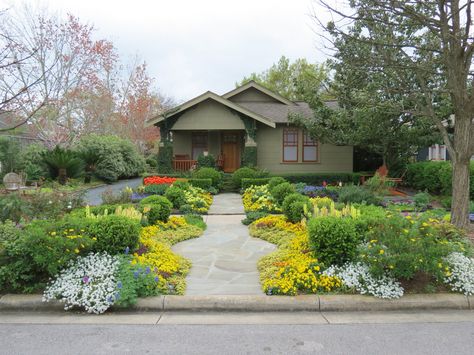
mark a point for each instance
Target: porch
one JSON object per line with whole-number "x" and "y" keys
{"x": 225, "y": 146}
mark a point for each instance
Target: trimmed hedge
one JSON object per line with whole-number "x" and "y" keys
{"x": 434, "y": 177}
{"x": 318, "y": 178}
{"x": 249, "y": 157}
{"x": 202, "y": 183}
{"x": 247, "y": 182}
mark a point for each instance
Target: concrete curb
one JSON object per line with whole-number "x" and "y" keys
{"x": 262, "y": 303}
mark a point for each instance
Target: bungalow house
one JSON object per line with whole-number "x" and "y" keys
{"x": 248, "y": 126}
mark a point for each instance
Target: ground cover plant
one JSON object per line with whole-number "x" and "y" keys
{"x": 328, "y": 246}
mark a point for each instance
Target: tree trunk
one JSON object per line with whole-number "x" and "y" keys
{"x": 460, "y": 198}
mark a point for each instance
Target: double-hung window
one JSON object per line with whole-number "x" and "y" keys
{"x": 290, "y": 145}
{"x": 199, "y": 143}
{"x": 310, "y": 148}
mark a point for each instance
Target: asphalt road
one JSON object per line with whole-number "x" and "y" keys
{"x": 392, "y": 335}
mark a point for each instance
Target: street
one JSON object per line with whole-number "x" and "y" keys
{"x": 434, "y": 332}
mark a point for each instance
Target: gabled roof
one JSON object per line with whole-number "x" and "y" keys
{"x": 277, "y": 112}
{"x": 255, "y": 85}
{"x": 212, "y": 96}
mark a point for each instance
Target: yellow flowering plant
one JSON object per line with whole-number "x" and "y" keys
{"x": 259, "y": 199}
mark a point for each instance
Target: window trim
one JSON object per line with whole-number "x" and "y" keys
{"x": 193, "y": 143}
{"x": 314, "y": 143}
{"x": 284, "y": 144}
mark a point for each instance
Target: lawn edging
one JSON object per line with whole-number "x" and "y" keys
{"x": 262, "y": 303}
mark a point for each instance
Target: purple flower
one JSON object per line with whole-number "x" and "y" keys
{"x": 117, "y": 295}
{"x": 136, "y": 274}
{"x": 157, "y": 279}
{"x": 119, "y": 284}
{"x": 147, "y": 270}
{"x": 109, "y": 299}
{"x": 85, "y": 279}
{"x": 127, "y": 250}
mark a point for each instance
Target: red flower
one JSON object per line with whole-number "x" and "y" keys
{"x": 158, "y": 180}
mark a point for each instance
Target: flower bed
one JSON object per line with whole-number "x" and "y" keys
{"x": 99, "y": 257}
{"x": 259, "y": 199}
{"x": 158, "y": 180}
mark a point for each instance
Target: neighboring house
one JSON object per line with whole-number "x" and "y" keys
{"x": 437, "y": 152}
{"x": 248, "y": 126}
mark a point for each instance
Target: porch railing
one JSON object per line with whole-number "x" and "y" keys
{"x": 183, "y": 165}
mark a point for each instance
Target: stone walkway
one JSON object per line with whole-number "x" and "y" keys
{"x": 94, "y": 196}
{"x": 225, "y": 257}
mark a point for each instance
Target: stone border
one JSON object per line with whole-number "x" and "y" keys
{"x": 262, "y": 303}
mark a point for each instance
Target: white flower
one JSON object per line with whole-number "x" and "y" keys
{"x": 357, "y": 276}
{"x": 460, "y": 277}
{"x": 87, "y": 282}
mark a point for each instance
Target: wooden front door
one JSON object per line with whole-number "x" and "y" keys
{"x": 230, "y": 148}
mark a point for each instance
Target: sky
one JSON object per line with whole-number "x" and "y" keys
{"x": 191, "y": 46}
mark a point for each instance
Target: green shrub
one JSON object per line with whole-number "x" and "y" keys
{"x": 118, "y": 157}
{"x": 8, "y": 234}
{"x": 39, "y": 253}
{"x": 421, "y": 200}
{"x": 357, "y": 194}
{"x": 334, "y": 240}
{"x": 378, "y": 185}
{"x": 204, "y": 184}
{"x": 165, "y": 158}
{"x": 317, "y": 179}
{"x": 209, "y": 173}
{"x": 253, "y": 216}
{"x": 249, "y": 157}
{"x": 294, "y": 206}
{"x": 186, "y": 208}
{"x": 152, "y": 161}
{"x": 159, "y": 208}
{"x": 176, "y": 196}
{"x": 181, "y": 184}
{"x": 206, "y": 161}
{"x": 30, "y": 161}
{"x": 115, "y": 233}
{"x": 274, "y": 181}
{"x": 156, "y": 189}
{"x": 14, "y": 208}
{"x": 242, "y": 173}
{"x": 280, "y": 191}
{"x": 195, "y": 220}
{"x": 246, "y": 182}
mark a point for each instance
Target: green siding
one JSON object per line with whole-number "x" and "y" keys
{"x": 209, "y": 115}
{"x": 252, "y": 95}
{"x": 332, "y": 158}
{"x": 182, "y": 143}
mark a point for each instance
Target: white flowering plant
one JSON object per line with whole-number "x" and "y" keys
{"x": 460, "y": 273}
{"x": 357, "y": 276}
{"x": 98, "y": 281}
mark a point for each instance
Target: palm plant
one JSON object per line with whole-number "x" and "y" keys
{"x": 63, "y": 164}
{"x": 90, "y": 158}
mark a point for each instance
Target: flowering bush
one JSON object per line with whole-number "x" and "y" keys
{"x": 158, "y": 180}
{"x": 460, "y": 273}
{"x": 89, "y": 282}
{"x": 358, "y": 277}
{"x": 292, "y": 268}
{"x": 259, "y": 199}
{"x": 174, "y": 231}
{"x": 199, "y": 199}
{"x": 98, "y": 281}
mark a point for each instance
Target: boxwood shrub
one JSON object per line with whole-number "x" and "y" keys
{"x": 176, "y": 196}
{"x": 247, "y": 182}
{"x": 209, "y": 173}
{"x": 115, "y": 233}
{"x": 280, "y": 191}
{"x": 159, "y": 208}
{"x": 202, "y": 183}
{"x": 319, "y": 178}
{"x": 334, "y": 240}
{"x": 294, "y": 207}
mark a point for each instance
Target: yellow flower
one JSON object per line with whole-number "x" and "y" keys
{"x": 408, "y": 217}
{"x": 413, "y": 239}
{"x": 373, "y": 241}
{"x": 440, "y": 265}
{"x": 76, "y": 251}
{"x": 381, "y": 251}
{"x": 405, "y": 231}
{"x": 53, "y": 233}
{"x": 391, "y": 266}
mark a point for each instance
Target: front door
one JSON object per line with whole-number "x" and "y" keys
{"x": 230, "y": 148}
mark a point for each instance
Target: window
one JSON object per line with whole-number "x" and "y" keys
{"x": 290, "y": 145}
{"x": 199, "y": 142}
{"x": 437, "y": 152}
{"x": 310, "y": 148}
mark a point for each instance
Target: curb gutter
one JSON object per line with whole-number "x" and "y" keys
{"x": 262, "y": 303}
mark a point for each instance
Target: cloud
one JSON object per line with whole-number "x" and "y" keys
{"x": 194, "y": 46}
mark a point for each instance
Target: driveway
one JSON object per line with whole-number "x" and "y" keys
{"x": 93, "y": 196}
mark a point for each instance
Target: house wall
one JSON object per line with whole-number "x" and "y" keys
{"x": 252, "y": 95}
{"x": 209, "y": 115}
{"x": 332, "y": 158}
{"x": 182, "y": 143}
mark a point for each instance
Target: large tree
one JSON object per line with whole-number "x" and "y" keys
{"x": 427, "y": 49}
{"x": 295, "y": 81}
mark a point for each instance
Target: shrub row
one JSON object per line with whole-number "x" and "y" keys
{"x": 435, "y": 177}
{"x": 205, "y": 183}
{"x": 319, "y": 178}
{"x": 247, "y": 182}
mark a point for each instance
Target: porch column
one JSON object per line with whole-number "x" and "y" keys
{"x": 249, "y": 158}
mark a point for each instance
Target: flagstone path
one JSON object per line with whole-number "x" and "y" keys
{"x": 225, "y": 257}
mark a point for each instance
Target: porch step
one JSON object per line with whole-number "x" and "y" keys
{"x": 227, "y": 184}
